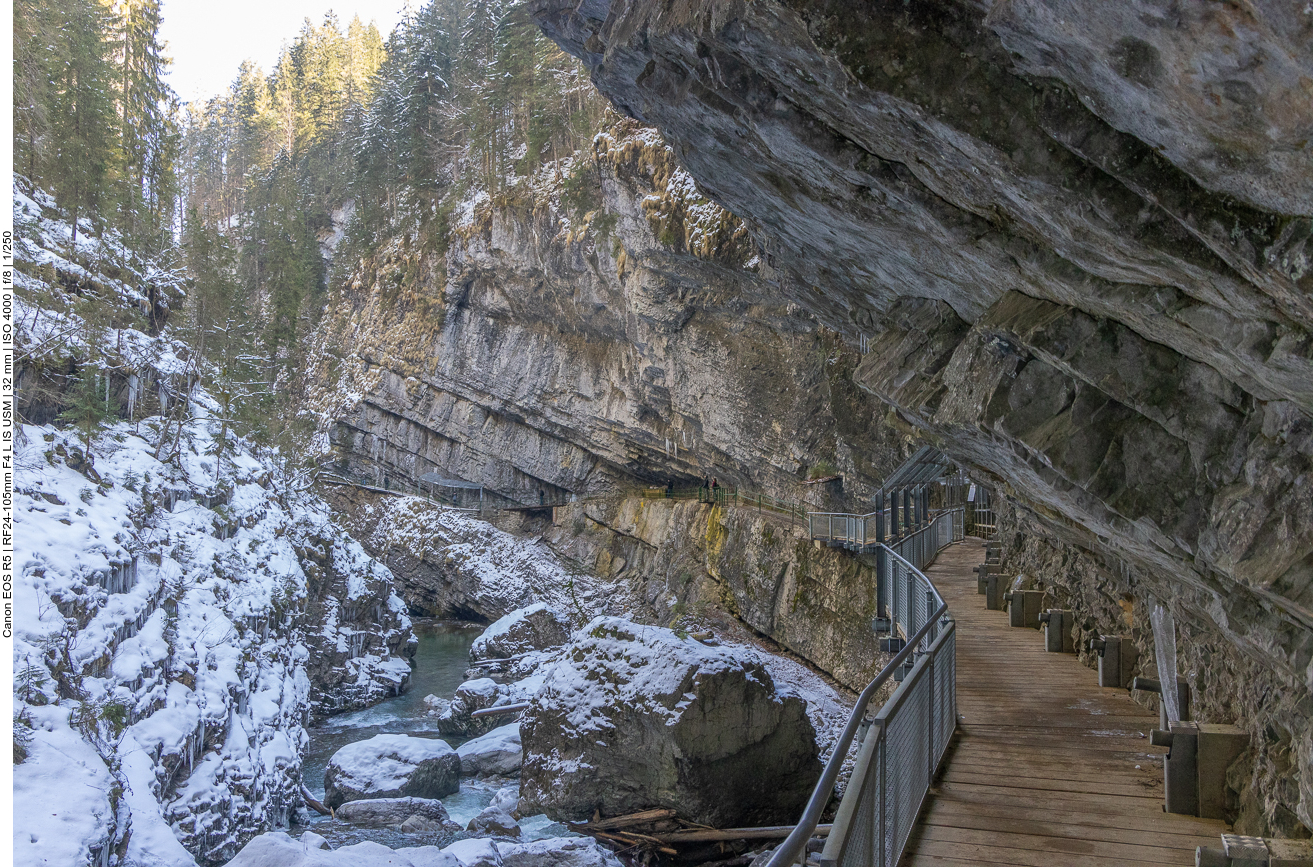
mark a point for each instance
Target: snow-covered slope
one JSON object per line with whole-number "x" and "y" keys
{"x": 177, "y": 619}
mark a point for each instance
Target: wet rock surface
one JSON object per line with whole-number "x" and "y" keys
{"x": 494, "y": 822}
{"x": 637, "y": 717}
{"x": 1083, "y": 270}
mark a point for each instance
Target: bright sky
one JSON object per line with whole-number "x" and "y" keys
{"x": 208, "y": 40}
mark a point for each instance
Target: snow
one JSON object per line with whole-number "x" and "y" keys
{"x": 497, "y": 569}
{"x": 280, "y": 850}
{"x": 557, "y": 852}
{"x": 159, "y": 594}
{"x": 478, "y": 852}
{"x": 60, "y": 829}
{"x": 385, "y": 762}
{"x": 648, "y": 663}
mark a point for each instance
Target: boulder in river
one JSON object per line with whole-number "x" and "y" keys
{"x": 494, "y": 822}
{"x": 551, "y": 852}
{"x": 391, "y": 766}
{"x": 636, "y": 717}
{"x": 507, "y": 799}
{"x": 411, "y": 815}
{"x": 454, "y": 717}
{"x": 536, "y": 627}
{"x": 496, "y": 753}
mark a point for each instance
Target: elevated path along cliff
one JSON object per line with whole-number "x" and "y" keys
{"x": 1046, "y": 767}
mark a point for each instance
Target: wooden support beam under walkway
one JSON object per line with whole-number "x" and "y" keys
{"x": 1047, "y": 769}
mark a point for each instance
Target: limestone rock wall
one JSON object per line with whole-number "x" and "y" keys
{"x": 1114, "y": 598}
{"x": 683, "y": 557}
{"x": 545, "y": 350}
{"x": 1078, "y": 241}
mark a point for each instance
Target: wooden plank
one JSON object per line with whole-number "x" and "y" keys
{"x": 1049, "y": 826}
{"x": 1092, "y": 804}
{"x": 1042, "y": 770}
{"x": 1045, "y": 848}
{"x": 944, "y": 811}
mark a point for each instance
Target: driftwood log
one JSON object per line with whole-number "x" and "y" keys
{"x": 620, "y": 829}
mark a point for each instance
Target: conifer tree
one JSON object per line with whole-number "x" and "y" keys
{"x": 83, "y": 127}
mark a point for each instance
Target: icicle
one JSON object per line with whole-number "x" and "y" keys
{"x": 132, "y": 394}
{"x": 1164, "y": 651}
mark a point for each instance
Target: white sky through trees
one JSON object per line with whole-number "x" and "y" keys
{"x": 208, "y": 39}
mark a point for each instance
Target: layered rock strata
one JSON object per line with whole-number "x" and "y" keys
{"x": 551, "y": 350}
{"x": 1078, "y": 240}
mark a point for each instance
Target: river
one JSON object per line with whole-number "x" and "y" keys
{"x": 440, "y": 664}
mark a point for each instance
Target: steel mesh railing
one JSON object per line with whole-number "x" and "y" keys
{"x": 909, "y": 735}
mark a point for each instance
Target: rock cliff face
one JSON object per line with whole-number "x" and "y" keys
{"x": 1079, "y": 240}
{"x": 567, "y": 349}
{"x": 683, "y": 557}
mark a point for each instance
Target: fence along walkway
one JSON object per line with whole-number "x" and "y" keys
{"x": 1043, "y": 770}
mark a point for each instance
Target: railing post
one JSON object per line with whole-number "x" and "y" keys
{"x": 930, "y": 718}
{"x": 882, "y": 771}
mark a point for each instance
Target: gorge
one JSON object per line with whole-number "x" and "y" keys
{"x": 782, "y": 245}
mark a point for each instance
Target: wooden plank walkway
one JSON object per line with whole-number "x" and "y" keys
{"x": 1047, "y": 768}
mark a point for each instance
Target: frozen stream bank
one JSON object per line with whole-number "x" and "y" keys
{"x": 440, "y": 665}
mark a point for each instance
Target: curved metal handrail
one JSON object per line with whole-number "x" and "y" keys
{"x": 789, "y": 851}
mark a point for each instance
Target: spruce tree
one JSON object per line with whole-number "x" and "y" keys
{"x": 83, "y": 129}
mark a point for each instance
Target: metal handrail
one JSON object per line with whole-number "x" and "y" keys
{"x": 789, "y": 852}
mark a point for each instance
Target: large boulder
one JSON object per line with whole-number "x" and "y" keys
{"x": 391, "y": 766}
{"x": 409, "y": 815}
{"x": 636, "y": 717}
{"x": 497, "y": 753}
{"x": 536, "y": 627}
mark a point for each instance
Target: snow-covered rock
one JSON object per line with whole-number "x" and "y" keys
{"x": 558, "y": 852}
{"x": 277, "y": 849}
{"x": 175, "y": 584}
{"x": 495, "y": 822}
{"x": 496, "y": 753}
{"x": 452, "y": 564}
{"x": 635, "y": 717}
{"x": 536, "y": 627}
{"x": 507, "y": 799}
{"x": 475, "y": 852}
{"x": 62, "y": 807}
{"x": 411, "y": 815}
{"x": 391, "y": 766}
{"x": 454, "y": 717}
{"x": 312, "y": 840}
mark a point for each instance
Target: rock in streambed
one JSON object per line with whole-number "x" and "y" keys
{"x": 391, "y": 766}
{"x": 635, "y": 717}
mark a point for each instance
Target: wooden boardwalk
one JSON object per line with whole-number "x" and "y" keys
{"x": 1047, "y": 768}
